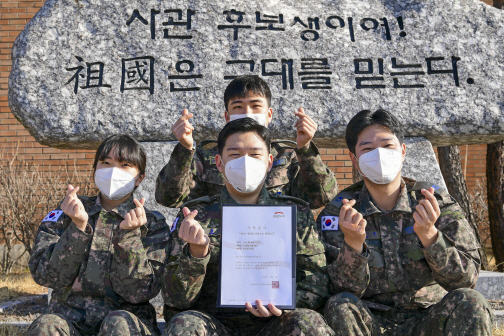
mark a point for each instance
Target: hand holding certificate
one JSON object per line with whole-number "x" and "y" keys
{"x": 258, "y": 258}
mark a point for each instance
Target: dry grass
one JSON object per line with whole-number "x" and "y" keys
{"x": 9, "y": 330}
{"x": 499, "y": 331}
{"x": 18, "y": 284}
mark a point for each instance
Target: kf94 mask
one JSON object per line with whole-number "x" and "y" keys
{"x": 259, "y": 117}
{"x": 114, "y": 183}
{"x": 245, "y": 174}
{"x": 380, "y": 165}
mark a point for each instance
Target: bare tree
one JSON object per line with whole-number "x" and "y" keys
{"x": 451, "y": 168}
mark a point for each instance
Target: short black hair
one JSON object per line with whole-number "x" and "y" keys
{"x": 126, "y": 148}
{"x": 241, "y": 85}
{"x": 367, "y": 118}
{"x": 243, "y": 125}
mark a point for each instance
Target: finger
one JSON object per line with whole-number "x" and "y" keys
{"x": 264, "y": 312}
{"x": 69, "y": 188}
{"x": 133, "y": 216}
{"x": 362, "y": 226}
{"x": 274, "y": 310}
{"x": 252, "y": 310}
{"x": 346, "y": 205}
{"x": 186, "y": 211}
{"x": 142, "y": 201}
{"x": 186, "y": 115}
{"x": 72, "y": 192}
{"x": 432, "y": 199}
{"x": 127, "y": 218}
{"x": 350, "y": 215}
{"x": 300, "y": 112}
{"x": 180, "y": 129}
{"x": 75, "y": 208}
{"x": 202, "y": 237}
{"x": 418, "y": 219}
{"x": 185, "y": 112}
{"x": 139, "y": 212}
{"x": 431, "y": 214}
{"x": 357, "y": 218}
{"x": 421, "y": 211}
{"x": 192, "y": 215}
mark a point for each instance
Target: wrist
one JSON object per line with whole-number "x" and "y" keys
{"x": 81, "y": 224}
{"x": 188, "y": 146}
{"x": 198, "y": 251}
{"x": 358, "y": 247}
{"x": 428, "y": 237}
{"x": 305, "y": 146}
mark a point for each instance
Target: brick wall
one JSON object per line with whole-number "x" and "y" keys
{"x": 13, "y": 17}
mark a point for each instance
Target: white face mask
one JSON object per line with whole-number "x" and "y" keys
{"x": 245, "y": 174}
{"x": 380, "y": 165}
{"x": 259, "y": 117}
{"x": 114, "y": 183}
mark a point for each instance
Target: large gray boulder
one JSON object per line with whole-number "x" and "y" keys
{"x": 85, "y": 69}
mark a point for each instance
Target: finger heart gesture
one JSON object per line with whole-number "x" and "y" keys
{"x": 136, "y": 217}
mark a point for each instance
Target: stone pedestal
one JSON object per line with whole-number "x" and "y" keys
{"x": 158, "y": 155}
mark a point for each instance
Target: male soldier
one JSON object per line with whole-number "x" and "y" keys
{"x": 191, "y": 275}
{"x": 395, "y": 246}
{"x": 299, "y": 172}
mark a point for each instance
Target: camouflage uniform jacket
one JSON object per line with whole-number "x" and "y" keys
{"x": 395, "y": 270}
{"x": 191, "y": 174}
{"x": 192, "y": 283}
{"x": 104, "y": 268}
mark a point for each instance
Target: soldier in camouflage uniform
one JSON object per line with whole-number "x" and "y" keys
{"x": 401, "y": 256}
{"x": 190, "y": 281}
{"x": 102, "y": 257}
{"x": 297, "y": 170}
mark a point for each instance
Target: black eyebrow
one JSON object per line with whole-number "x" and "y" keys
{"x": 369, "y": 142}
{"x": 238, "y": 148}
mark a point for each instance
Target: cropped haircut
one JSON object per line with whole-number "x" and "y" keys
{"x": 243, "y": 125}
{"x": 126, "y": 149}
{"x": 367, "y": 118}
{"x": 241, "y": 85}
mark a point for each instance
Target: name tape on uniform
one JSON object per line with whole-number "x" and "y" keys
{"x": 330, "y": 223}
{"x": 53, "y": 216}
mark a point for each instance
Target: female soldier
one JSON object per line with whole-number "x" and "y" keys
{"x": 102, "y": 255}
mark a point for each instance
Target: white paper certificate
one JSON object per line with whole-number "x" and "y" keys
{"x": 258, "y": 256}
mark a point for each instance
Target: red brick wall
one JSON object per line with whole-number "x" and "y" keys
{"x": 14, "y": 14}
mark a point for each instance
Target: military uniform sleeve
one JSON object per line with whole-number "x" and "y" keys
{"x": 315, "y": 182}
{"x": 453, "y": 257}
{"x": 183, "y": 274}
{"x": 138, "y": 259}
{"x": 174, "y": 182}
{"x": 57, "y": 252}
{"x": 348, "y": 270}
{"x": 312, "y": 281}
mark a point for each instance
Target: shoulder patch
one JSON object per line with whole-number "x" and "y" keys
{"x": 338, "y": 200}
{"x": 174, "y": 225}
{"x": 330, "y": 223}
{"x": 53, "y": 216}
{"x": 158, "y": 215}
{"x": 419, "y": 185}
{"x": 299, "y": 200}
{"x": 203, "y": 143}
{"x": 204, "y": 199}
{"x": 280, "y": 162}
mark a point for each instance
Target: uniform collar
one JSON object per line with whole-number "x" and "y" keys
{"x": 121, "y": 210}
{"x": 264, "y": 197}
{"x": 368, "y": 207}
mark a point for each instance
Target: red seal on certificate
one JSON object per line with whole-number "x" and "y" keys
{"x": 275, "y": 284}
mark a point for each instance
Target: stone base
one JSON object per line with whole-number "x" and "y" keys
{"x": 491, "y": 285}
{"x": 421, "y": 162}
{"x": 158, "y": 155}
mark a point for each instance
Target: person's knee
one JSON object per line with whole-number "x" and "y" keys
{"x": 119, "y": 322}
{"x": 308, "y": 322}
{"x": 469, "y": 301}
{"x": 187, "y": 323}
{"x": 49, "y": 324}
{"x": 339, "y": 302}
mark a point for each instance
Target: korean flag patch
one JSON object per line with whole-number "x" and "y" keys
{"x": 53, "y": 216}
{"x": 330, "y": 223}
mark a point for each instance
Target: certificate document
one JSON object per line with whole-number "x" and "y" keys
{"x": 258, "y": 256}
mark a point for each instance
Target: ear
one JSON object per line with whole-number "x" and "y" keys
{"x": 139, "y": 179}
{"x": 355, "y": 163}
{"x": 403, "y": 151}
{"x": 219, "y": 164}
{"x": 269, "y": 116}
{"x": 270, "y": 162}
{"x": 226, "y": 116}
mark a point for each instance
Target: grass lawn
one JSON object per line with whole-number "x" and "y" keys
{"x": 18, "y": 284}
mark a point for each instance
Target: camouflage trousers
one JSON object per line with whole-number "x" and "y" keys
{"x": 461, "y": 312}
{"x": 116, "y": 323}
{"x": 299, "y": 322}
